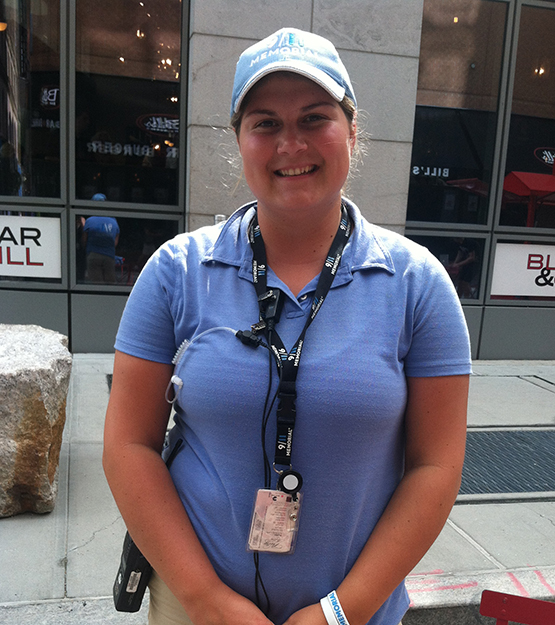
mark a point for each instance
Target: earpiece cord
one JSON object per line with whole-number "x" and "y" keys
{"x": 250, "y": 339}
{"x": 187, "y": 343}
{"x": 256, "y": 556}
{"x": 258, "y": 582}
{"x": 268, "y": 407}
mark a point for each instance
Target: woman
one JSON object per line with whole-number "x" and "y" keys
{"x": 371, "y": 374}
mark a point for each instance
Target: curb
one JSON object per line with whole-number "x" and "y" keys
{"x": 439, "y": 598}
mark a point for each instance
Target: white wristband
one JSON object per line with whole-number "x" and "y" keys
{"x": 337, "y": 609}
{"x": 328, "y": 611}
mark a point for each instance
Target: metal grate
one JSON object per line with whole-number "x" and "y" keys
{"x": 509, "y": 462}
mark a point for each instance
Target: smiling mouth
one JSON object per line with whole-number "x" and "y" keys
{"x": 298, "y": 171}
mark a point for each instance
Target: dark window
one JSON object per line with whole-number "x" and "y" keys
{"x": 456, "y": 113}
{"x": 127, "y": 100}
{"x": 462, "y": 256}
{"x": 30, "y": 99}
{"x": 529, "y": 186}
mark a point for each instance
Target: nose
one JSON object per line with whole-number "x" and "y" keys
{"x": 291, "y": 141}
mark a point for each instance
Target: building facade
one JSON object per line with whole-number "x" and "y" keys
{"x": 114, "y": 137}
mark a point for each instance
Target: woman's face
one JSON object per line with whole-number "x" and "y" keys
{"x": 296, "y": 145}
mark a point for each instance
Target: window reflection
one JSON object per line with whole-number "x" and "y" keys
{"x": 529, "y": 185}
{"x": 456, "y": 113}
{"x": 113, "y": 250}
{"x": 127, "y": 100}
{"x": 462, "y": 258}
{"x": 30, "y": 99}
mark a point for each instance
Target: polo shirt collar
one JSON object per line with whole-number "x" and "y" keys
{"x": 365, "y": 250}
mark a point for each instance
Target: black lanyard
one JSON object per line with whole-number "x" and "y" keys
{"x": 288, "y": 362}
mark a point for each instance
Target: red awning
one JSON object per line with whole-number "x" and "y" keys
{"x": 525, "y": 183}
{"x": 535, "y": 187}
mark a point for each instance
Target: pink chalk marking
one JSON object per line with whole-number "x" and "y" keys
{"x": 523, "y": 592}
{"x": 436, "y": 572}
{"x": 545, "y": 582}
{"x": 438, "y": 588}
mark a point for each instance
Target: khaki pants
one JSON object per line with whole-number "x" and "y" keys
{"x": 165, "y": 609}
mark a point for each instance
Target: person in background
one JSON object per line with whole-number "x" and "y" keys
{"x": 100, "y": 238}
{"x": 463, "y": 268}
{"x": 318, "y": 366}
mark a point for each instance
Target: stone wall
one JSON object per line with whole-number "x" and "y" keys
{"x": 379, "y": 41}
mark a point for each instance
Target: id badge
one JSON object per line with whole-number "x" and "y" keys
{"x": 275, "y": 521}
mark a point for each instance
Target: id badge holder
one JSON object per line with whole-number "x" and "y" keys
{"x": 275, "y": 521}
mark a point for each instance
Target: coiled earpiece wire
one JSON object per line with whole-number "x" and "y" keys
{"x": 251, "y": 339}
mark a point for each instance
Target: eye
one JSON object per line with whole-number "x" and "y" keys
{"x": 265, "y": 123}
{"x": 314, "y": 117}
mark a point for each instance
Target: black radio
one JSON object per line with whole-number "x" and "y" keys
{"x": 134, "y": 569}
{"x": 133, "y": 576}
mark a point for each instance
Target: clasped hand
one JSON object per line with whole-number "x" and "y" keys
{"x": 235, "y": 609}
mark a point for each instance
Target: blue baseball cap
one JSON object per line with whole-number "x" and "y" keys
{"x": 292, "y": 50}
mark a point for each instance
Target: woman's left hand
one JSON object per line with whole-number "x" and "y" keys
{"x": 311, "y": 615}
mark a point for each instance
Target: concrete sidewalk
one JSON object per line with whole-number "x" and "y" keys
{"x": 59, "y": 568}
{"x": 502, "y": 541}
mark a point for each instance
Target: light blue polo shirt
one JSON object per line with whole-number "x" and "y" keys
{"x": 392, "y": 312}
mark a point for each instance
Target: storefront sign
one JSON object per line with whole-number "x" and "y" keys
{"x": 52, "y": 124}
{"x": 129, "y": 149}
{"x": 524, "y": 270}
{"x": 442, "y": 172}
{"x": 159, "y": 124}
{"x": 545, "y": 155}
{"x": 30, "y": 247}
{"x": 50, "y": 97}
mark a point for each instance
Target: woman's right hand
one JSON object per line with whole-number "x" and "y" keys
{"x": 224, "y": 606}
